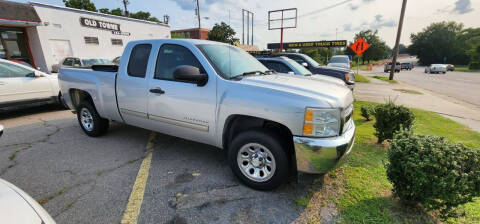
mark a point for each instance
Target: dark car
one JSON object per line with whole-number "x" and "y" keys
{"x": 342, "y": 73}
{"x": 406, "y": 66}
{"x": 450, "y": 67}
{"x": 388, "y": 67}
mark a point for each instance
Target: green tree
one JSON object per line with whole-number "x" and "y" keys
{"x": 143, "y": 16}
{"x": 80, "y": 4}
{"x": 104, "y": 10}
{"x": 402, "y": 49}
{"x": 117, "y": 12}
{"x": 439, "y": 41}
{"x": 378, "y": 48}
{"x": 469, "y": 40}
{"x": 222, "y": 33}
{"x": 178, "y": 36}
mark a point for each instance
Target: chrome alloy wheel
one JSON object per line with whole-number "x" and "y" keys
{"x": 256, "y": 162}
{"x": 86, "y": 119}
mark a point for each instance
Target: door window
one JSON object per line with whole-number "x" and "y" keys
{"x": 279, "y": 67}
{"x": 12, "y": 71}
{"x": 137, "y": 64}
{"x": 171, "y": 56}
{"x": 76, "y": 62}
{"x": 68, "y": 62}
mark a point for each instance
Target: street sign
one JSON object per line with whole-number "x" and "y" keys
{"x": 359, "y": 46}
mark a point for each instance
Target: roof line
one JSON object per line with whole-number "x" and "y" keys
{"x": 97, "y": 13}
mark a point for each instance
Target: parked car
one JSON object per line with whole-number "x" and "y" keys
{"x": 271, "y": 124}
{"x": 450, "y": 67}
{"x": 20, "y": 84}
{"x": 80, "y": 62}
{"x": 342, "y": 61}
{"x": 406, "y": 66}
{"x": 388, "y": 67}
{"x": 436, "y": 68}
{"x": 18, "y": 207}
{"x": 314, "y": 67}
{"x": 286, "y": 65}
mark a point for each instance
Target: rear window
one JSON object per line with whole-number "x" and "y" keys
{"x": 137, "y": 65}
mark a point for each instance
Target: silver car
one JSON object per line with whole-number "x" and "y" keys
{"x": 436, "y": 68}
{"x": 72, "y": 62}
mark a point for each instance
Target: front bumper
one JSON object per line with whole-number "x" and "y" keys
{"x": 320, "y": 155}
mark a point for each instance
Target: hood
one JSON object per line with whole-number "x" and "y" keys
{"x": 14, "y": 208}
{"x": 325, "y": 78}
{"x": 319, "y": 87}
{"x": 339, "y": 65}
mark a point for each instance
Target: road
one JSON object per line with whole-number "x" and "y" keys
{"x": 80, "y": 179}
{"x": 464, "y": 86}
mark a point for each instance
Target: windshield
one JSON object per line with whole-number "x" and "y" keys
{"x": 339, "y": 60}
{"x": 302, "y": 70}
{"x": 231, "y": 61}
{"x": 96, "y": 61}
{"x": 311, "y": 61}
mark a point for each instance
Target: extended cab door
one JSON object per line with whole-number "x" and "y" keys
{"x": 179, "y": 108}
{"x": 132, "y": 84}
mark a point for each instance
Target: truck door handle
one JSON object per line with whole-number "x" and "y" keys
{"x": 157, "y": 90}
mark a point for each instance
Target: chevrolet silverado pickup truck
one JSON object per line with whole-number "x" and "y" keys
{"x": 271, "y": 125}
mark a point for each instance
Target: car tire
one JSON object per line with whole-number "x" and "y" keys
{"x": 90, "y": 121}
{"x": 259, "y": 159}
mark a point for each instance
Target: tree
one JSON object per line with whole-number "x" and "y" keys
{"x": 80, "y": 4}
{"x": 117, "y": 12}
{"x": 222, "y": 33}
{"x": 178, "y": 36}
{"x": 378, "y": 48}
{"x": 143, "y": 16}
{"x": 402, "y": 49}
{"x": 439, "y": 43}
{"x": 104, "y": 10}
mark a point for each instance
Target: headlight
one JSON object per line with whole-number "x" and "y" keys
{"x": 350, "y": 77}
{"x": 321, "y": 122}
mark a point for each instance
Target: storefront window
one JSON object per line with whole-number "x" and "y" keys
{"x": 13, "y": 45}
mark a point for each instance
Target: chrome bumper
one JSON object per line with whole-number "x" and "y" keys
{"x": 319, "y": 155}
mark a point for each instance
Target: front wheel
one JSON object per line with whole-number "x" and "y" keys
{"x": 259, "y": 159}
{"x": 90, "y": 121}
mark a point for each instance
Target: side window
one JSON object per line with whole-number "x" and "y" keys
{"x": 298, "y": 59}
{"x": 170, "y": 56}
{"x": 280, "y": 67}
{"x": 68, "y": 61}
{"x": 137, "y": 64}
{"x": 12, "y": 71}
{"x": 76, "y": 62}
{"x": 268, "y": 65}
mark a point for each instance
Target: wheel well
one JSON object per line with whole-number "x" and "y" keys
{"x": 79, "y": 96}
{"x": 236, "y": 124}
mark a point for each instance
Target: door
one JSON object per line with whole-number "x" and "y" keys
{"x": 179, "y": 108}
{"x": 18, "y": 83}
{"x": 60, "y": 50}
{"x": 132, "y": 85}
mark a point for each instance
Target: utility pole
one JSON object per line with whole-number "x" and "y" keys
{"x": 243, "y": 26}
{"x": 125, "y": 3}
{"x": 397, "y": 42}
{"x": 198, "y": 15}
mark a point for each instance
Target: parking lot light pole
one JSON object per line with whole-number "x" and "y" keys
{"x": 397, "y": 42}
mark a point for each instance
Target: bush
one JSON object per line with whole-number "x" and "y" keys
{"x": 474, "y": 65}
{"x": 367, "y": 111}
{"x": 432, "y": 171}
{"x": 390, "y": 118}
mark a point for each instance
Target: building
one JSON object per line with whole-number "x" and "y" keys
{"x": 43, "y": 34}
{"x": 194, "y": 33}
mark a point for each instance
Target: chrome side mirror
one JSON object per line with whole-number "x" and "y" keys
{"x": 304, "y": 64}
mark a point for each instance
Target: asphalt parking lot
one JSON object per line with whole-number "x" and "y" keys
{"x": 79, "y": 179}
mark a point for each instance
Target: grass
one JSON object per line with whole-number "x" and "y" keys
{"x": 384, "y": 78}
{"x": 466, "y": 69}
{"x": 409, "y": 91}
{"x": 360, "y": 78}
{"x": 366, "y": 195}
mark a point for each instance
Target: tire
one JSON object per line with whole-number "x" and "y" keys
{"x": 243, "y": 150}
{"x": 90, "y": 121}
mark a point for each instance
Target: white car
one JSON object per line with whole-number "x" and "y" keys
{"x": 341, "y": 61}
{"x": 18, "y": 207}
{"x": 20, "y": 84}
{"x": 436, "y": 68}
{"x": 70, "y": 62}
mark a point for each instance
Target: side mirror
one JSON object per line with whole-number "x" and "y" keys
{"x": 304, "y": 64}
{"x": 191, "y": 74}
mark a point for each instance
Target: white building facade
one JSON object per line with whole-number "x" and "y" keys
{"x": 63, "y": 32}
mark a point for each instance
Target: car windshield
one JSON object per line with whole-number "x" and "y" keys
{"x": 96, "y": 61}
{"x": 311, "y": 61}
{"x": 231, "y": 61}
{"x": 302, "y": 70}
{"x": 339, "y": 60}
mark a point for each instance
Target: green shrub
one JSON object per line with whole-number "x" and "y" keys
{"x": 432, "y": 171}
{"x": 367, "y": 111}
{"x": 390, "y": 118}
{"x": 474, "y": 65}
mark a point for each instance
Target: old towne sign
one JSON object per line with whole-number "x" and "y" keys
{"x": 310, "y": 44}
{"x": 93, "y": 23}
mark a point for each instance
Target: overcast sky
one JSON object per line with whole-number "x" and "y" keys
{"x": 317, "y": 19}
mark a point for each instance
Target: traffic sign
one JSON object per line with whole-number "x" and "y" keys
{"x": 359, "y": 46}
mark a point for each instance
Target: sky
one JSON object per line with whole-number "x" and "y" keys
{"x": 317, "y": 19}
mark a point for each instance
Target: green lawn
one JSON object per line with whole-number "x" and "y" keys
{"x": 366, "y": 195}
{"x": 360, "y": 78}
{"x": 384, "y": 78}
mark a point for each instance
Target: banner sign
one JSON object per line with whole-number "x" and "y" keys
{"x": 93, "y": 23}
{"x": 311, "y": 44}
{"x": 121, "y": 33}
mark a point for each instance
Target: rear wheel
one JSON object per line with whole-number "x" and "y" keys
{"x": 90, "y": 121}
{"x": 258, "y": 158}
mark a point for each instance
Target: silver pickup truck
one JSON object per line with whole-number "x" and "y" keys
{"x": 272, "y": 125}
